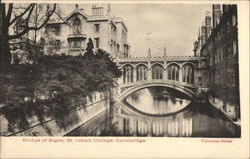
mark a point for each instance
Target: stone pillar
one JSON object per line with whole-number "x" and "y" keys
{"x": 127, "y": 76}
{"x": 165, "y": 71}
{"x": 134, "y": 75}
{"x": 120, "y": 80}
{"x": 149, "y": 72}
{"x": 180, "y": 75}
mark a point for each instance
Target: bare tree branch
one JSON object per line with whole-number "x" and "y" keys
{"x": 27, "y": 28}
{"x": 62, "y": 18}
{"x": 28, "y": 17}
{"x": 22, "y": 14}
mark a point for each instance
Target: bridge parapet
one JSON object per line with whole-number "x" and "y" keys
{"x": 159, "y": 58}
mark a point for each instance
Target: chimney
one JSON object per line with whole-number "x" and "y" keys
{"x": 208, "y": 19}
{"x": 216, "y": 14}
{"x": 109, "y": 10}
{"x": 97, "y": 10}
{"x": 77, "y": 6}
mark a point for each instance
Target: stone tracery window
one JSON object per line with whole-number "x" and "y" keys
{"x": 187, "y": 73}
{"x": 157, "y": 71}
{"x": 127, "y": 74}
{"x": 141, "y": 72}
{"x": 173, "y": 72}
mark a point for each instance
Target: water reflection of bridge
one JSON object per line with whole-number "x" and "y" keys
{"x": 134, "y": 126}
{"x": 178, "y": 72}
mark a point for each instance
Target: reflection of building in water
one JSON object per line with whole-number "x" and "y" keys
{"x": 159, "y": 127}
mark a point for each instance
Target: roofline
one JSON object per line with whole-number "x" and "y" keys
{"x": 50, "y": 23}
{"x": 74, "y": 11}
{"x": 123, "y": 25}
{"x": 96, "y": 20}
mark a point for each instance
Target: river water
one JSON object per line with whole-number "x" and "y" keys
{"x": 160, "y": 111}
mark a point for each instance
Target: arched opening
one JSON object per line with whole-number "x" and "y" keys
{"x": 127, "y": 73}
{"x": 141, "y": 72}
{"x": 76, "y": 26}
{"x": 157, "y": 71}
{"x": 173, "y": 72}
{"x": 188, "y": 73}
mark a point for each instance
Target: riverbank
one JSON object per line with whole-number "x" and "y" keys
{"x": 228, "y": 110}
{"x": 52, "y": 127}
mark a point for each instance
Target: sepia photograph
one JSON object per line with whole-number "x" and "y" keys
{"x": 101, "y": 69}
{"x": 124, "y": 79}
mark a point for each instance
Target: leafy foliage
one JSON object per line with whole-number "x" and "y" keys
{"x": 53, "y": 86}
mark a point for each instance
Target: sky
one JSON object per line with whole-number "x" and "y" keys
{"x": 155, "y": 26}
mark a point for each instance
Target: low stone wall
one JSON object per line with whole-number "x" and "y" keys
{"x": 97, "y": 103}
{"x": 229, "y": 109}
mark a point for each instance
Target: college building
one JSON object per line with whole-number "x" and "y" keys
{"x": 69, "y": 35}
{"x": 217, "y": 45}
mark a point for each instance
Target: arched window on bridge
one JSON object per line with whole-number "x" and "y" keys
{"x": 141, "y": 72}
{"x": 187, "y": 73}
{"x": 157, "y": 71}
{"x": 127, "y": 73}
{"x": 173, "y": 72}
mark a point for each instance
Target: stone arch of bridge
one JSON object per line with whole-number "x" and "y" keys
{"x": 137, "y": 87}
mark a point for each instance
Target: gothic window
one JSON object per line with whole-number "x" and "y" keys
{"x": 76, "y": 26}
{"x": 157, "y": 71}
{"x": 75, "y": 43}
{"x": 173, "y": 72}
{"x": 141, "y": 72}
{"x": 57, "y": 44}
{"x": 127, "y": 73}
{"x": 187, "y": 73}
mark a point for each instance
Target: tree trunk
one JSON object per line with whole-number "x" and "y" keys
{"x": 5, "y": 48}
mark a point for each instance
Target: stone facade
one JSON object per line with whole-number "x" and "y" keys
{"x": 70, "y": 35}
{"x": 221, "y": 66}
